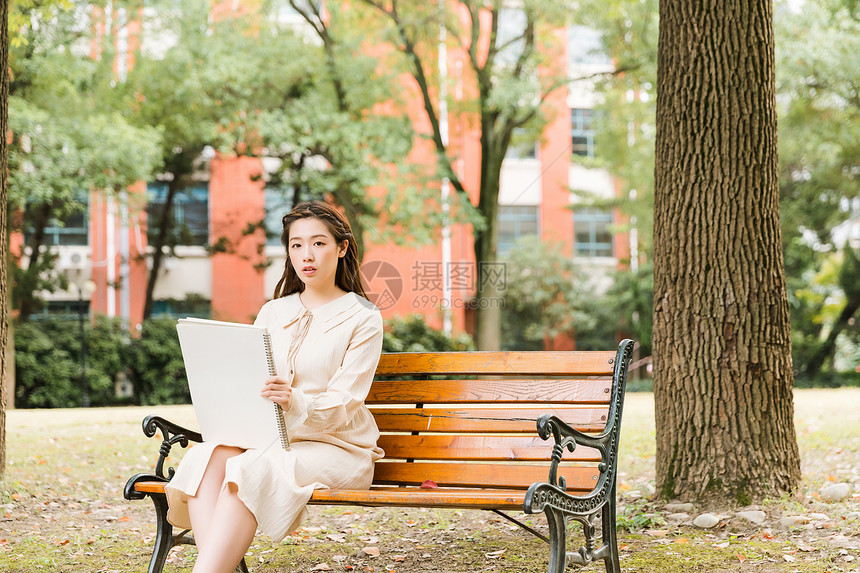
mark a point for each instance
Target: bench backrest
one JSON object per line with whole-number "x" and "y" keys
{"x": 468, "y": 419}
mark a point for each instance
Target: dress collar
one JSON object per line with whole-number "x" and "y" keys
{"x": 328, "y": 315}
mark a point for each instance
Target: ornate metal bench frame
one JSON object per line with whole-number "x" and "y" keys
{"x": 549, "y": 497}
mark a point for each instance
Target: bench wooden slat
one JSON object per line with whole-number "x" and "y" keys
{"x": 501, "y": 363}
{"x": 402, "y": 497}
{"x": 477, "y": 475}
{"x": 485, "y": 420}
{"x": 486, "y": 448}
{"x": 510, "y": 499}
{"x": 594, "y": 391}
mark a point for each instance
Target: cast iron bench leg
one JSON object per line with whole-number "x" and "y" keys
{"x": 163, "y": 535}
{"x": 610, "y": 535}
{"x": 557, "y": 533}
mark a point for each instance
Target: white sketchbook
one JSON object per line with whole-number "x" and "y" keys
{"x": 227, "y": 364}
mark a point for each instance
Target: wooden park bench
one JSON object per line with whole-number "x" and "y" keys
{"x": 471, "y": 426}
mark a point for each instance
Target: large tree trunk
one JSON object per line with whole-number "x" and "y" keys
{"x": 722, "y": 353}
{"x": 4, "y": 244}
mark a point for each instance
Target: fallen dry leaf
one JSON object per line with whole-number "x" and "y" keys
{"x": 805, "y": 547}
{"x": 429, "y": 484}
{"x": 789, "y": 558}
{"x": 682, "y": 540}
{"x": 657, "y": 532}
{"x": 321, "y": 567}
{"x": 741, "y": 558}
{"x": 495, "y": 554}
{"x": 371, "y": 551}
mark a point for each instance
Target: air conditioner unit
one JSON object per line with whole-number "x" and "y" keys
{"x": 72, "y": 260}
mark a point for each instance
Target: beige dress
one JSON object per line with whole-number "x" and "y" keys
{"x": 330, "y": 354}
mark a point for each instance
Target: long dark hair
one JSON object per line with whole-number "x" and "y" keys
{"x": 348, "y": 276}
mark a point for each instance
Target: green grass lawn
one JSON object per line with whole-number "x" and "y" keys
{"x": 61, "y": 507}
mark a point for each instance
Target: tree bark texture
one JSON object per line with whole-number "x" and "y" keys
{"x": 722, "y": 352}
{"x": 4, "y": 243}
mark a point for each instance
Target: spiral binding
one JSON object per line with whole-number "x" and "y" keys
{"x": 279, "y": 415}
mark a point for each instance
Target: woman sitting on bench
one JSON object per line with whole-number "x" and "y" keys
{"x": 327, "y": 339}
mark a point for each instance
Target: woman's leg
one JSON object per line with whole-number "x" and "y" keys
{"x": 201, "y": 506}
{"x": 228, "y": 536}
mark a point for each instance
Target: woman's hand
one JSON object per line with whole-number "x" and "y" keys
{"x": 278, "y": 390}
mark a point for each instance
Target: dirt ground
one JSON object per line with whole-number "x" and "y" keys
{"x": 61, "y": 508}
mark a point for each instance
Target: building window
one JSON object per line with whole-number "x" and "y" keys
{"x": 63, "y": 309}
{"x": 193, "y": 305}
{"x": 513, "y": 222}
{"x": 74, "y": 229}
{"x": 591, "y": 234}
{"x": 279, "y": 202}
{"x": 190, "y": 214}
{"x": 582, "y": 132}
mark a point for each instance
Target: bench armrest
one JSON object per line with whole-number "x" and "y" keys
{"x": 565, "y": 436}
{"x": 171, "y": 434}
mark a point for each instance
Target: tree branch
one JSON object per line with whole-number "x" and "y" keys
{"x": 319, "y": 26}
{"x": 409, "y": 50}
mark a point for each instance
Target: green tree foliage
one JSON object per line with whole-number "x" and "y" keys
{"x": 509, "y": 73}
{"x": 68, "y": 137}
{"x": 334, "y": 122}
{"x": 184, "y": 90}
{"x": 817, "y": 61}
{"x": 547, "y": 295}
{"x": 544, "y": 296}
{"x": 819, "y": 130}
{"x": 282, "y": 82}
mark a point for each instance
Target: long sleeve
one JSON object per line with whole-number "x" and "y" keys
{"x": 347, "y": 389}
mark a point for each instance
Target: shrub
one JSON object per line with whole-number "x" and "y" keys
{"x": 157, "y": 369}
{"x": 48, "y": 366}
{"x": 412, "y": 334}
{"x": 48, "y": 359}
